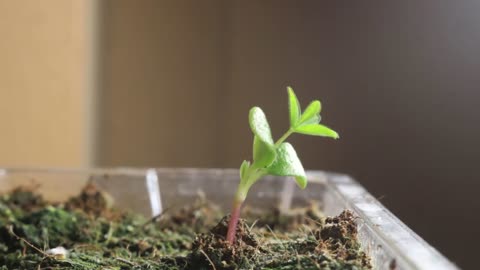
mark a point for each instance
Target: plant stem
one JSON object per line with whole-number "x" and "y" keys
{"x": 234, "y": 217}
{"x": 284, "y": 137}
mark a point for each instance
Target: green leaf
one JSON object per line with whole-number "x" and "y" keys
{"x": 263, "y": 147}
{"x": 287, "y": 163}
{"x": 263, "y": 154}
{"x": 317, "y": 130}
{"x": 293, "y": 107}
{"x": 311, "y": 112}
{"x": 259, "y": 125}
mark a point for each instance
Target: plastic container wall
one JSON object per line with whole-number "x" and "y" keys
{"x": 390, "y": 243}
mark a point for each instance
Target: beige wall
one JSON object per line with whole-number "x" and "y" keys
{"x": 163, "y": 76}
{"x": 45, "y": 85}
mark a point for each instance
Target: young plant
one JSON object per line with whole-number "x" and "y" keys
{"x": 276, "y": 158}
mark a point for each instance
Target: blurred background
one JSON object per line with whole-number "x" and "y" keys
{"x": 169, "y": 84}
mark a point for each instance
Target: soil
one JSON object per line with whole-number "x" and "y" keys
{"x": 97, "y": 236}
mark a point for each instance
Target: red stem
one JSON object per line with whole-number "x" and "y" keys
{"x": 232, "y": 224}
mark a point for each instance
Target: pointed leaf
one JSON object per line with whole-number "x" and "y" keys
{"x": 287, "y": 163}
{"x": 317, "y": 130}
{"x": 263, "y": 154}
{"x": 293, "y": 107}
{"x": 259, "y": 125}
{"x": 313, "y": 110}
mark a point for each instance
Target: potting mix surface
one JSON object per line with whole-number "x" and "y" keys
{"x": 86, "y": 233}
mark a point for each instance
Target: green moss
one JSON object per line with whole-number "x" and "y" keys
{"x": 98, "y": 237}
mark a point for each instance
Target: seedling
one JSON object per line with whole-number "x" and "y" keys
{"x": 276, "y": 158}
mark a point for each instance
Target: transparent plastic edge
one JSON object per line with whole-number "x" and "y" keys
{"x": 410, "y": 248}
{"x": 116, "y": 170}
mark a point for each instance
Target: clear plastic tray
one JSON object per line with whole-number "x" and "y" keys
{"x": 390, "y": 243}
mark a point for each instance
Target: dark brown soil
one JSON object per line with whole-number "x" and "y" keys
{"x": 191, "y": 237}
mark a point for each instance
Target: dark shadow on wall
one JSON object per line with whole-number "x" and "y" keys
{"x": 399, "y": 81}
